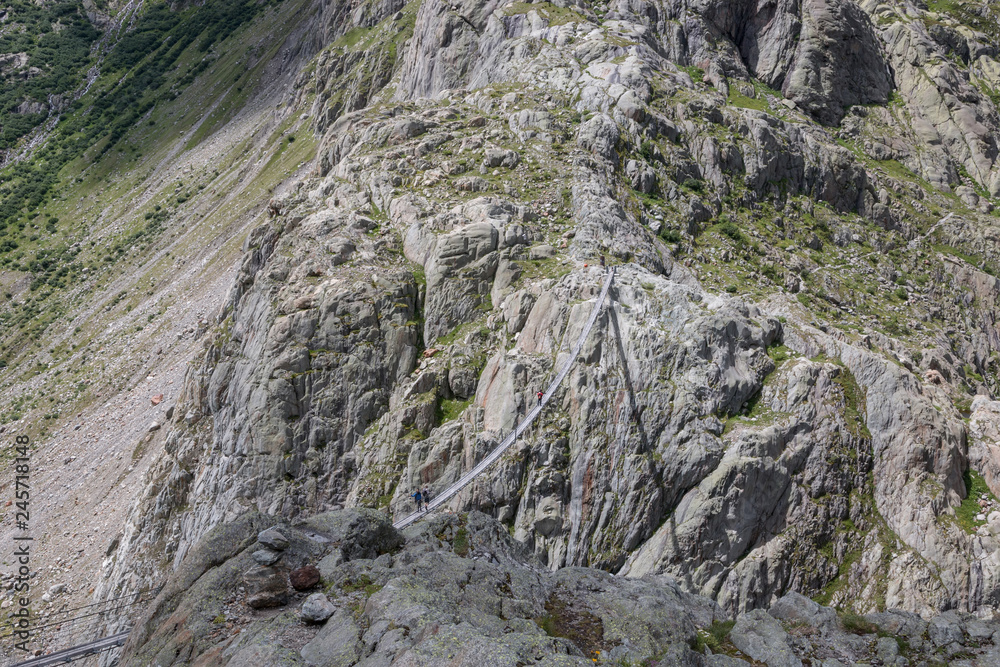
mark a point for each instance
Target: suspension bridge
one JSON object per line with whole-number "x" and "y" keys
{"x": 444, "y": 496}
{"x": 106, "y": 643}
{"x": 72, "y": 626}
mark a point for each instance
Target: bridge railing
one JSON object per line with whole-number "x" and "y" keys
{"x": 72, "y": 633}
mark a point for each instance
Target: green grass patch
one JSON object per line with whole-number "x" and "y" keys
{"x": 974, "y": 260}
{"x": 729, "y": 228}
{"x": 757, "y": 413}
{"x": 459, "y": 333}
{"x": 362, "y": 583}
{"x": 570, "y": 619}
{"x": 419, "y": 276}
{"x": 975, "y": 488}
{"x": 692, "y": 184}
{"x": 461, "y": 542}
{"x": 971, "y": 373}
{"x": 854, "y": 398}
{"x": 843, "y": 571}
{"x": 856, "y": 623}
{"x": 715, "y": 638}
{"x": 697, "y": 74}
{"x": 670, "y": 235}
{"x": 352, "y": 37}
{"x": 449, "y": 409}
{"x": 779, "y": 354}
{"x": 896, "y": 169}
{"x": 552, "y": 267}
{"x": 738, "y": 99}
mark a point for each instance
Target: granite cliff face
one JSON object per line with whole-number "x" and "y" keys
{"x": 792, "y": 387}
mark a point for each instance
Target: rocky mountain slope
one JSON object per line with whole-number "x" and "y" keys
{"x": 793, "y": 387}
{"x": 344, "y": 588}
{"x": 109, "y": 284}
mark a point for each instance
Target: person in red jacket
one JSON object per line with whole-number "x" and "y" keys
{"x": 540, "y": 394}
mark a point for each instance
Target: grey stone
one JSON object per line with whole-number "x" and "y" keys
{"x": 945, "y": 629}
{"x": 472, "y": 184}
{"x": 337, "y": 643}
{"x": 722, "y": 660}
{"x": 899, "y": 622}
{"x": 797, "y": 608}
{"x": 327, "y": 566}
{"x": 266, "y": 556}
{"x": 316, "y": 608}
{"x": 542, "y": 252}
{"x": 953, "y": 649}
{"x": 978, "y": 630}
{"x": 266, "y": 587}
{"x": 600, "y": 136}
{"x": 887, "y": 649}
{"x": 641, "y": 176}
{"x": 827, "y": 76}
{"x": 340, "y": 250}
{"x": 463, "y": 257}
{"x": 496, "y": 157}
{"x": 274, "y": 539}
{"x": 761, "y": 637}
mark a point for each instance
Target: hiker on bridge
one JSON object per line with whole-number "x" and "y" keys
{"x": 427, "y": 497}
{"x": 521, "y": 421}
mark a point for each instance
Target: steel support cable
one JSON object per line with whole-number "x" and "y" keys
{"x": 109, "y": 601}
{"x": 468, "y": 477}
{"x": 76, "y": 652}
{"x": 67, "y": 621}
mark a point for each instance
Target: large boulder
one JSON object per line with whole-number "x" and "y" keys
{"x": 761, "y": 637}
{"x": 838, "y": 62}
{"x": 822, "y": 54}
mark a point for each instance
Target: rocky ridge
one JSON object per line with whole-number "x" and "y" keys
{"x": 344, "y": 588}
{"x": 776, "y": 399}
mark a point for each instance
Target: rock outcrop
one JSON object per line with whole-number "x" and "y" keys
{"x": 773, "y": 400}
{"x": 458, "y": 590}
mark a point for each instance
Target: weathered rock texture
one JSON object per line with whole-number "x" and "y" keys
{"x": 460, "y": 591}
{"x": 772, "y": 401}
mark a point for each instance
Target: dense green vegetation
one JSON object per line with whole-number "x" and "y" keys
{"x": 138, "y": 72}
{"x": 56, "y": 39}
{"x": 98, "y": 132}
